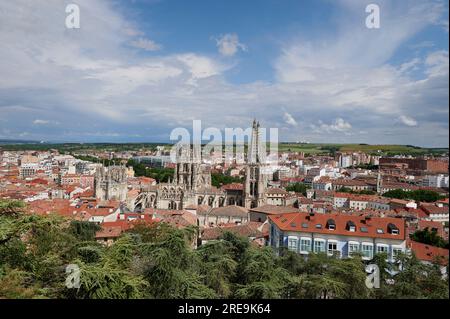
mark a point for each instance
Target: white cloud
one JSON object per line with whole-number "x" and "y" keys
{"x": 228, "y": 44}
{"x": 93, "y": 75}
{"x": 39, "y": 122}
{"x": 407, "y": 120}
{"x": 338, "y": 125}
{"x": 410, "y": 65}
{"x": 438, "y": 63}
{"x": 45, "y": 122}
{"x": 289, "y": 119}
{"x": 146, "y": 44}
{"x": 125, "y": 79}
{"x": 199, "y": 66}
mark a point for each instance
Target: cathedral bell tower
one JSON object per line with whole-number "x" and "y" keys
{"x": 255, "y": 180}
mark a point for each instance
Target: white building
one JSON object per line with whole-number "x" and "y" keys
{"x": 439, "y": 180}
{"x": 338, "y": 235}
{"x": 345, "y": 160}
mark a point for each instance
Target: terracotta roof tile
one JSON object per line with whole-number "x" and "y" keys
{"x": 296, "y": 221}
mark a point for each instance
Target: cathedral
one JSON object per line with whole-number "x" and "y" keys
{"x": 111, "y": 183}
{"x": 191, "y": 183}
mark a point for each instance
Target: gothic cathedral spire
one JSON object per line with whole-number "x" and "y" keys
{"x": 255, "y": 180}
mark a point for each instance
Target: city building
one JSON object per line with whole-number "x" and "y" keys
{"x": 336, "y": 234}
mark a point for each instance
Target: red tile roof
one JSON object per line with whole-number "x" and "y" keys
{"x": 109, "y": 232}
{"x": 273, "y": 209}
{"x": 233, "y": 186}
{"x": 275, "y": 190}
{"x": 429, "y": 253}
{"x": 295, "y": 221}
{"x": 251, "y": 229}
{"x": 431, "y": 209}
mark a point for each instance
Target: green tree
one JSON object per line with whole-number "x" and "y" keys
{"x": 298, "y": 188}
{"x": 421, "y": 195}
{"x": 428, "y": 237}
{"x": 83, "y": 230}
{"x": 11, "y": 207}
{"x": 219, "y": 180}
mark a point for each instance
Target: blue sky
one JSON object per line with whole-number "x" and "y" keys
{"x": 136, "y": 69}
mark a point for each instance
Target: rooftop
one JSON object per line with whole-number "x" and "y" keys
{"x": 374, "y": 227}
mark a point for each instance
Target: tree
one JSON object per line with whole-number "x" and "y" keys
{"x": 327, "y": 277}
{"x": 350, "y": 191}
{"x": 219, "y": 180}
{"x": 158, "y": 261}
{"x": 161, "y": 175}
{"x": 421, "y": 195}
{"x": 11, "y": 207}
{"x": 259, "y": 277}
{"x": 418, "y": 280}
{"x": 83, "y": 230}
{"x": 104, "y": 281}
{"x": 217, "y": 266}
{"x": 298, "y": 188}
{"x": 428, "y": 237}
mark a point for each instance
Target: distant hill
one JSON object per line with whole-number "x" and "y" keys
{"x": 19, "y": 142}
{"x": 309, "y": 148}
{"x": 314, "y": 148}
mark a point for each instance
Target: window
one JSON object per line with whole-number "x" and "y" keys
{"x": 380, "y": 231}
{"x": 319, "y": 226}
{"x": 351, "y": 226}
{"x": 382, "y": 249}
{"x": 332, "y": 248}
{"x": 331, "y": 225}
{"x": 392, "y": 229}
{"x": 396, "y": 251}
{"x": 292, "y": 244}
{"x": 319, "y": 246}
{"x": 367, "y": 250}
{"x": 305, "y": 225}
{"x": 305, "y": 245}
{"x": 353, "y": 247}
{"x": 363, "y": 229}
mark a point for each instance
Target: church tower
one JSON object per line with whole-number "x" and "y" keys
{"x": 255, "y": 180}
{"x": 111, "y": 183}
{"x": 189, "y": 170}
{"x": 379, "y": 182}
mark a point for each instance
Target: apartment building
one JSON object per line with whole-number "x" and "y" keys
{"x": 335, "y": 234}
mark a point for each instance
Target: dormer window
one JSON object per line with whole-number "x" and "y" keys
{"x": 392, "y": 229}
{"x": 351, "y": 226}
{"x": 331, "y": 224}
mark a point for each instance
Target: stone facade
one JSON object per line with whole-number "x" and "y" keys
{"x": 255, "y": 179}
{"x": 191, "y": 183}
{"x": 111, "y": 183}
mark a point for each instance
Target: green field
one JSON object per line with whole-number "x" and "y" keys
{"x": 311, "y": 149}
{"x": 77, "y": 147}
{"x": 366, "y": 148}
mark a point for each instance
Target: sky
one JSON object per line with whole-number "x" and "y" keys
{"x": 137, "y": 69}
